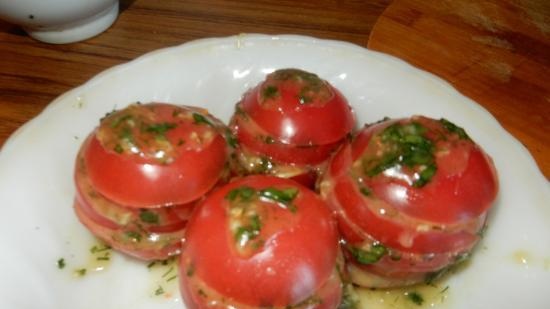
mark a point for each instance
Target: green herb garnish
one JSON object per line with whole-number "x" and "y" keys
{"x": 405, "y": 144}
{"x": 453, "y": 128}
{"x": 80, "y": 272}
{"x": 415, "y": 297}
{"x": 148, "y": 216}
{"x": 231, "y": 139}
{"x": 134, "y": 236}
{"x": 61, "y": 263}
{"x": 243, "y": 193}
{"x": 198, "y": 118}
{"x": 171, "y": 278}
{"x": 159, "y": 291}
{"x": 284, "y": 196}
{"x": 270, "y": 92}
{"x": 97, "y": 248}
{"x": 365, "y": 191}
{"x": 160, "y": 129}
{"x": 118, "y": 121}
{"x": 371, "y": 256}
{"x": 249, "y": 231}
{"x": 118, "y": 148}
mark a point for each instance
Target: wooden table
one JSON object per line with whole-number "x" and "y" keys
{"x": 496, "y": 52}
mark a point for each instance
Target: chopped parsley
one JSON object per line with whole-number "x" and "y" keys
{"x": 171, "y": 278}
{"x": 133, "y": 236}
{"x": 249, "y": 231}
{"x": 118, "y": 148}
{"x": 231, "y": 139}
{"x": 371, "y": 256}
{"x": 101, "y": 248}
{"x": 80, "y": 272}
{"x": 159, "y": 291}
{"x": 118, "y": 121}
{"x": 365, "y": 190}
{"x": 453, "y": 128}
{"x": 404, "y": 144}
{"x": 201, "y": 119}
{"x": 148, "y": 216}
{"x": 284, "y": 196}
{"x": 160, "y": 129}
{"x": 243, "y": 193}
{"x": 349, "y": 299}
{"x": 166, "y": 273}
{"x": 270, "y": 92}
{"x": 415, "y": 297}
{"x": 61, "y": 263}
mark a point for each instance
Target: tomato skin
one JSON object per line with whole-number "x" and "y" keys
{"x": 284, "y": 269}
{"x": 161, "y": 219}
{"x": 290, "y": 120}
{"x": 163, "y": 246}
{"x": 466, "y": 181}
{"x": 427, "y": 226}
{"x": 122, "y": 177}
{"x": 155, "y": 236}
{"x": 250, "y": 135}
{"x": 294, "y": 121}
{"x": 139, "y": 175}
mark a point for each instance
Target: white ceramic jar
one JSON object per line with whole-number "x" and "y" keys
{"x": 60, "y": 21}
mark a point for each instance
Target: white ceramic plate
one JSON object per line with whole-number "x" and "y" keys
{"x": 511, "y": 269}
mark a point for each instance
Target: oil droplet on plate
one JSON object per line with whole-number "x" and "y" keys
{"x": 99, "y": 259}
{"x": 522, "y": 257}
{"x": 413, "y": 297}
{"x": 163, "y": 278}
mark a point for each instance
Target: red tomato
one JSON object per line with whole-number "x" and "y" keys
{"x": 161, "y": 219}
{"x": 251, "y": 136}
{"x": 297, "y": 107}
{"x": 256, "y": 242}
{"x": 152, "y": 155}
{"x": 416, "y": 188}
{"x": 293, "y": 121}
{"x": 147, "y": 233}
{"x": 130, "y": 239}
{"x": 140, "y": 173}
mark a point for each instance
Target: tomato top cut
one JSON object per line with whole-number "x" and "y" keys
{"x": 261, "y": 241}
{"x": 151, "y": 155}
{"x": 427, "y": 169}
{"x": 297, "y": 107}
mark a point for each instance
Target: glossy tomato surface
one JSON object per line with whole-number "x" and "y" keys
{"x": 251, "y": 136}
{"x": 412, "y": 191}
{"x": 130, "y": 239}
{"x": 297, "y": 107}
{"x": 146, "y": 233}
{"x": 261, "y": 241}
{"x": 289, "y": 125}
{"x": 156, "y": 154}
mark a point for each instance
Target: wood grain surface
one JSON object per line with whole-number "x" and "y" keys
{"x": 495, "y": 52}
{"x": 32, "y": 73}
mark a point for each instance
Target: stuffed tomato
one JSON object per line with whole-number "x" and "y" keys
{"x": 261, "y": 242}
{"x": 289, "y": 125}
{"x": 411, "y": 197}
{"x": 139, "y": 174}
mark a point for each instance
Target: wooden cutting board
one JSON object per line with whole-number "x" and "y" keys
{"x": 495, "y": 52}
